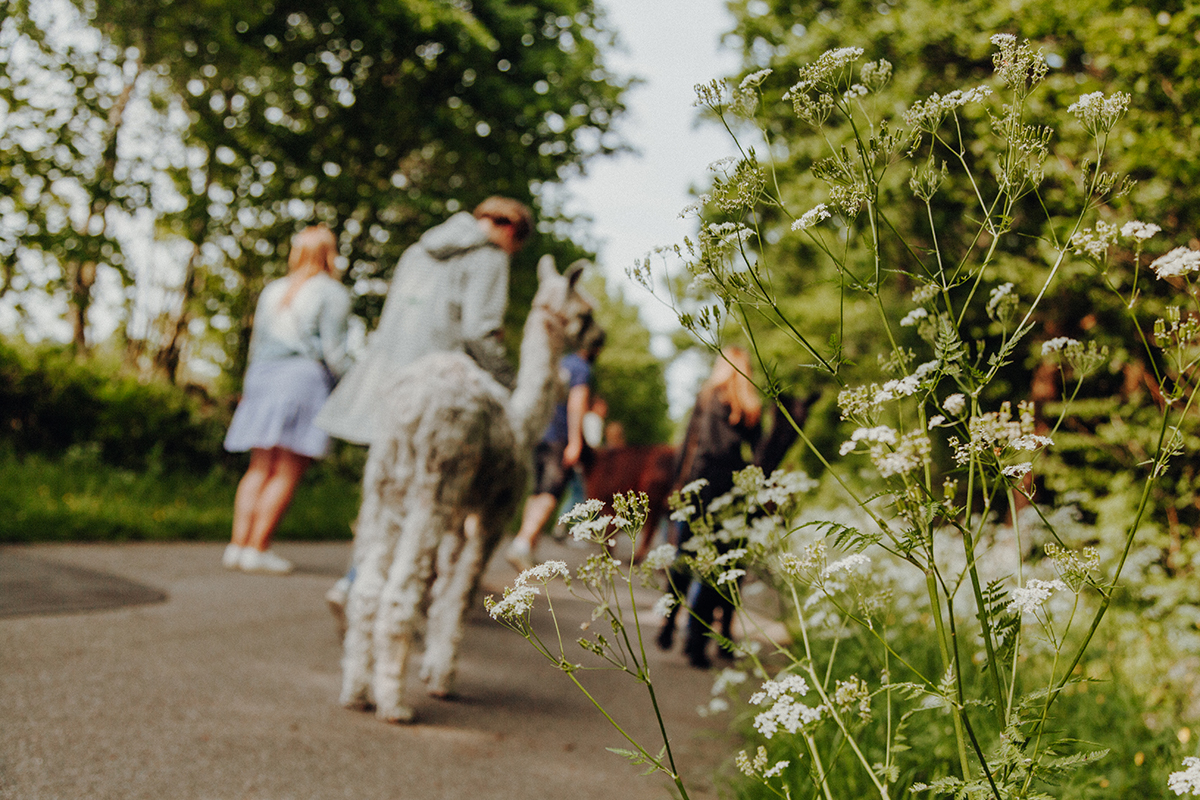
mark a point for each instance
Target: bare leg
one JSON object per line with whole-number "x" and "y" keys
{"x": 538, "y": 509}
{"x": 276, "y": 495}
{"x": 245, "y": 502}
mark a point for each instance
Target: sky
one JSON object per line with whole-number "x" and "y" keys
{"x": 635, "y": 199}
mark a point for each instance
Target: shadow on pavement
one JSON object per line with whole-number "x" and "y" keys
{"x": 31, "y": 586}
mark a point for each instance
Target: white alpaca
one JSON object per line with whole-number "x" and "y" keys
{"x": 438, "y": 490}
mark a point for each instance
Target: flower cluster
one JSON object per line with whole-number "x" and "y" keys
{"x": 1029, "y": 599}
{"x": 996, "y": 431}
{"x": 1178, "y": 263}
{"x": 928, "y": 115}
{"x": 758, "y": 765}
{"x": 518, "y": 599}
{"x": 1099, "y": 113}
{"x": 785, "y": 712}
{"x": 811, "y": 218}
{"x": 1187, "y": 780}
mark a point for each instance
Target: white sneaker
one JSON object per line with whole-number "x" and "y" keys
{"x": 232, "y": 556}
{"x": 520, "y": 556}
{"x": 263, "y": 561}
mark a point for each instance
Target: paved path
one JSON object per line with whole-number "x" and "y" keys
{"x": 216, "y": 684}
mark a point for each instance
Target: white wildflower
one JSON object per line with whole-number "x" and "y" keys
{"x": 542, "y": 573}
{"x": 1031, "y": 441}
{"x": 909, "y": 454}
{"x": 1030, "y": 598}
{"x": 516, "y": 603}
{"x": 912, "y": 317}
{"x": 1099, "y": 113}
{"x": 731, "y": 556}
{"x": 1017, "y": 471}
{"x": 1139, "y": 230}
{"x": 1058, "y": 343}
{"x": 882, "y": 433}
{"x": 857, "y": 90}
{"x": 955, "y": 403}
{"x": 716, "y": 705}
{"x": 925, "y": 292}
{"x": 778, "y": 687}
{"x": 936, "y": 421}
{"x": 1004, "y": 40}
{"x": 851, "y": 563}
{"x": 1094, "y": 242}
{"x": 1186, "y": 781}
{"x": 754, "y": 79}
{"x": 582, "y": 510}
{"x": 664, "y": 604}
{"x": 811, "y": 218}
{"x": 1179, "y": 262}
{"x": 660, "y": 557}
{"x": 787, "y": 715}
{"x": 776, "y": 769}
{"x": 727, "y": 679}
{"x": 694, "y": 487}
{"x": 730, "y": 576}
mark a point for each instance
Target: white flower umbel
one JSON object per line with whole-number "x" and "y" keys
{"x": 811, "y": 218}
{"x": 662, "y": 606}
{"x": 660, "y": 557}
{"x": 954, "y": 404}
{"x": 785, "y": 713}
{"x": 913, "y": 317}
{"x": 516, "y": 603}
{"x": 1139, "y": 231}
{"x": 1017, "y": 471}
{"x": 1178, "y": 263}
{"x": 1099, "y": 113}
{"x": 543, "y": 573}
{"x": 1058, "y": 343}
{"x": 1029, "y": 599}
{"x": 1187, "y": 780}
{"x": 851, "y": 563}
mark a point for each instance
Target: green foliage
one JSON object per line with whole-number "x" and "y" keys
{"x": 628, "y": 376}
{"x": 78, "y": 497}
{"x": 50, "y": 402}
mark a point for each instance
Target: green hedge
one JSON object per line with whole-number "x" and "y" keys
{"x": 50, "y": 403}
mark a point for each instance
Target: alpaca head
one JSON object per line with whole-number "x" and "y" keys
{"x": 566, "y": 307}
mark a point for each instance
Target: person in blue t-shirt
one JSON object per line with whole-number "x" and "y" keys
{"x": 562, "y": 448}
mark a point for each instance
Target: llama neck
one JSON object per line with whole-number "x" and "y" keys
{"x": 532, "y": 402}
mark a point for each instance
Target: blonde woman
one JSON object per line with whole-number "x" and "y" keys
{"x": 297, "y": 352}
{"x": 728, "y": 413}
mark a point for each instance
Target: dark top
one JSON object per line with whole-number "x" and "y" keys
{"x": 712, "y": 448}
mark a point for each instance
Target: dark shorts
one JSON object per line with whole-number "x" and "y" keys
{"x": 549, "y": 476}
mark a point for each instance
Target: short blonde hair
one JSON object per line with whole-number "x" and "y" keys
{"x": 506, "y": 211}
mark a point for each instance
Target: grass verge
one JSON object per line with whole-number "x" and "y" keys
{"x": 77, "y": 497}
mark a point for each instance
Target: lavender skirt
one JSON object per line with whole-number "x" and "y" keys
{"x": 280, "y": 400}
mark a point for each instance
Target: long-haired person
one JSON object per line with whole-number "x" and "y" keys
{"x": 727, "y": 414}
{"x": 297, "y": 352}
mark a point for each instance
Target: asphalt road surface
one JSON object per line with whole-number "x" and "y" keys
{"x": 148, "y": 671}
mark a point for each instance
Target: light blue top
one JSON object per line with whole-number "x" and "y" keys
{"x": 312, "y": 325}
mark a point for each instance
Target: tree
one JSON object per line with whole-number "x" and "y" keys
{"x": 63, "y": 101}
{"x": 628, "y": 376}
{"x": 377, "y": 118}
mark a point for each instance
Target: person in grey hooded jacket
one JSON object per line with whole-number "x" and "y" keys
{"x": 449, "y": 292}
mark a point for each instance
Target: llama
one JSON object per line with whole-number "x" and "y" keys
{"x": 634, "y": 468}
{"x": 438, "y": 490}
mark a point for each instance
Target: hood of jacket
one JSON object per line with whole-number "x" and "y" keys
{"x": 457, "y": 235}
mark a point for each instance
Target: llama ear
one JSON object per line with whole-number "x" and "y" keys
{"x": 574, "y": 272}
{"x": 546, "y": 268}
